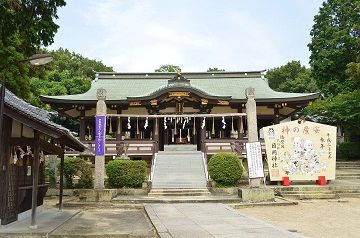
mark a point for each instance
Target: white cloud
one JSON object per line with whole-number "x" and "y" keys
{"x": 139, "y": 35}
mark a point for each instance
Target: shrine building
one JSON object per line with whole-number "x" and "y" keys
{"x": 149, "y": 111}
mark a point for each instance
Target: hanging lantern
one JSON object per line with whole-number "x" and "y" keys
{"x": 128, "y": 124}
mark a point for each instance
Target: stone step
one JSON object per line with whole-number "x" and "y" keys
{"x": 301, "y": 196}
{"x": 179, "y": 192}
{"x": 349, "y": 194}
{"x": 348, "y": 176}
{"x": 300, "y": 188}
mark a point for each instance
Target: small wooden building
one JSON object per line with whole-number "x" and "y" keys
{"x": 28, "y": 135}
{"x": 140, "y": 94}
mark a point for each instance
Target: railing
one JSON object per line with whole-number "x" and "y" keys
{"x": 213, "y": 146}
{"x": 116, "y": 148}
{"x": 153, "y": 164}
{"x": 205, "y": 166}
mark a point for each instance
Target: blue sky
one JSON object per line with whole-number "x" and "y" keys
{"x": 142, "y": 35}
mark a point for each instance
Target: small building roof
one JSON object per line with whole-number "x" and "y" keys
{"x": 123, "y": 86}
{"x": 32, "y": 114}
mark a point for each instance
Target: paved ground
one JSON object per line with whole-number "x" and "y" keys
{"x": 314, "y": 218}
{"x": 91, "y": 223}
{"x": 208, "y": 220}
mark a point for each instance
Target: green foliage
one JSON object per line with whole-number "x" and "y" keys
{"x": 126, "y": 173}
{"x": 343, "y": 109}
{"x": 77, "y": 166}
{"x": 350, "y": 150}
{"x": 215, "y": 70}
{"x": 225, "y": 169}
{"x": 168, "y": 68}
{"x": 69, "y": 73}
{"x": 291, "y": 77}
{"x": 335, "y": 44}
{"x": 24, "y": 27}
{"x": 50, "y": 177}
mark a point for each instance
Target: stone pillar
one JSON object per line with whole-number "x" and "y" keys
{"x": 100, "y": 159}
{"x": 252, "y": 126}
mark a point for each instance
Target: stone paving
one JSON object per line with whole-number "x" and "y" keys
{"x": 87, "y": 223}
{"x": 208, "y": 220}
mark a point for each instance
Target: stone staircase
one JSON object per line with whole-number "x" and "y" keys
{"x": 179, "y": 171}
{"x": 306, "y": 192}
{"x": 348, "y": 170}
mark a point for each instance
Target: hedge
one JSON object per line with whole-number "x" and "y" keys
{"x": 77, "y": 166}
{"x": 126, "y": 173}
{"x": 350, "y": 150}
{"x": 225, "y": 169}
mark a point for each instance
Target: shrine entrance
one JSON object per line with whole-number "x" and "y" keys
{"x": 180, "y": 131}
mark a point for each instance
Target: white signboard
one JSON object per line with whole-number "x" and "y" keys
{"x": 300, "y": 151}
{"x": 254, "y": 159}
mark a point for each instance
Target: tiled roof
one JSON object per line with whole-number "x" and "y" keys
{"x": 39, "y": 115}
{"x": 119, "y": 86}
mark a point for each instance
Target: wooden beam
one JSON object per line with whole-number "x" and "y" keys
{"x": 61, "y": 180}
{"x": 35, "y": 175}
{"x": 179, "y": 115}
{"x": 51, "y": 148}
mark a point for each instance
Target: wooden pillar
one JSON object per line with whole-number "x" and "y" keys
{"x": 156, "y": 134}
{"x": 82, "y": 129}
{"x": 118, "y": 124}
{"x": 35, "y": 175}
{"x": 4, "y": 168}
{"x": 61, "y": 192}
{"x": 276, "y": 115}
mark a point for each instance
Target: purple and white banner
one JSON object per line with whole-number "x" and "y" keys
{"x": 100, "y": 125}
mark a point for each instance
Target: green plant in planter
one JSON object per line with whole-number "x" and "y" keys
{"x": 225, "y": 169}
{"x": 126, "y": 173}
{"x": 77, "y": 166}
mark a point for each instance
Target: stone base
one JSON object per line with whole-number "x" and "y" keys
{"x": 95, "y": 195}
{"x": 256, "y": 194}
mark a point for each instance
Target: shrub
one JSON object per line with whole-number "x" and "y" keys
{"x": 77, "y": 166}
{"x": 126, "y": 173}
{"x": 350, "y": 150}
{"x": 225, "y": 169}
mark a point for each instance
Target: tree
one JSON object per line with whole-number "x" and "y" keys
{"x": 291, "y": 77}
{"x": 69, "y": 73}
{"x": 335, "y": 44}
{"x": 215, "y": 69}
{"x": 24, "y": 27}
{"x": 168, "y": 68}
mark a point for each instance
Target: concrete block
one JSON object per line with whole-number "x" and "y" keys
{"x": 256, "y": 194}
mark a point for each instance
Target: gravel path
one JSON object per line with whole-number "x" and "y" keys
{"x": 314, "y": 218}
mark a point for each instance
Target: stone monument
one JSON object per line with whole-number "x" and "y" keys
{"x": 253, "y": 193}
{"x": 100, "y": 139}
